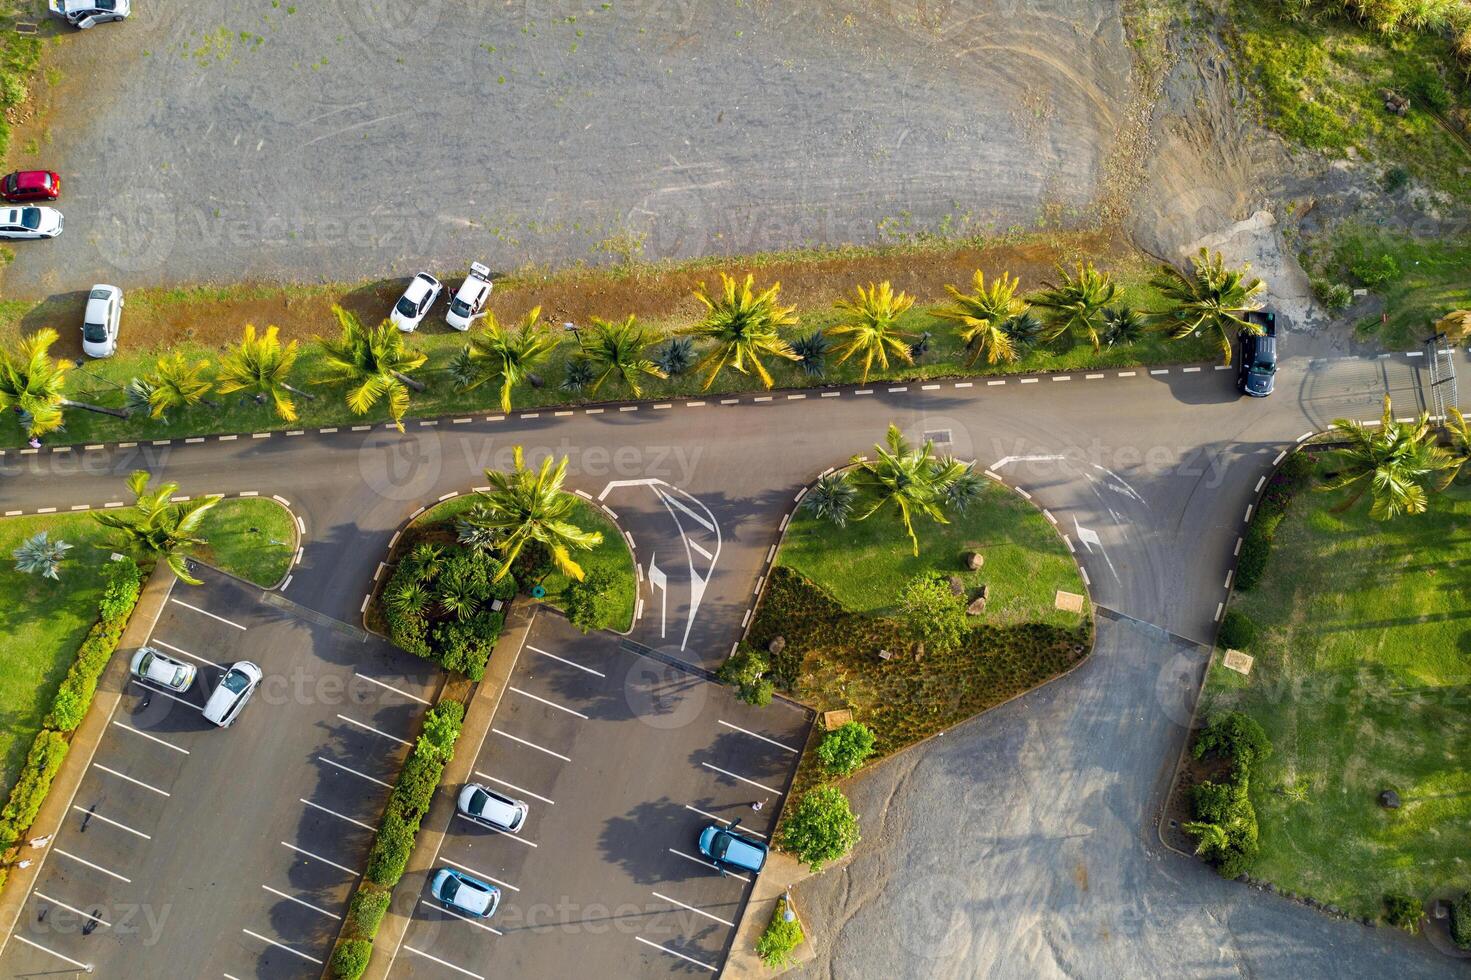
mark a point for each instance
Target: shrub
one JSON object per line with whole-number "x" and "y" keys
{"x": 1291, "y": 478}
{"x": 1461, "y": 921}
{"x": 590, "y": 604}
{"x": 1394, "y": 179}
{"x": 1403, "y": 911}
{"x": 413, "y": 792}
{"x": 780, "y": 938}
{"x": 1226, "y": 826}
{"x": 1376, "y": 270}
{"x": 442, "y": 728}
{"x": 68, "y": 708}
{"x": 350, "y": 959}
{"x": 844, "y": 749}
{"x": 366, "y": 911}
{"x": 438, "y": 605}
{"x": 1238, "y": 631}
{"x": 933, "y": 614}
{"x": 820, "y": 828}
{"x": 391, "y": 849}
{"x": 43, "y": 762}
{"x": 1236, "y": 736}
{"x": 746, "y": 670}
{"x": 74, "y": 696}
{"x": 1335, "y": 296}
{"x": 124, "y": 585}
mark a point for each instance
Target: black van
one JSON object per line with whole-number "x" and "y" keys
{"x": 1256, "y": 373}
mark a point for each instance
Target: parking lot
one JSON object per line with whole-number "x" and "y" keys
{"x": 195, "y": 851}
{"x": 622, "y": 758}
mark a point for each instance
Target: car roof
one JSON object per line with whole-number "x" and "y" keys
{"x": 500, "y": 808}
{"x": 162, "y": 668}
{"x": 473, "y": 286}
{"x": 29, "y": 180}
{"x": 745, "y": 853}
{"x": 417, "y": 288}
{"x": 472, "y": 895}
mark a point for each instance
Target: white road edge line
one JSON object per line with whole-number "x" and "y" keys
{"x": 80, "y": 966}
{"x": 463, "y": 918}
{"x": 691, "y": 857}
{"x": 206, "y": 612}
{"x": 94, "y": 867}
{"x": 71, "y": 908}
{"x": 436, "y": 959}
{"x": 666, "y": 949}
{"x": 363, "y": 775}
{"x": 703, "y": 813}
{"x": 272, "y": 942}
{"x": 186, "y": 653}
{"x": 318, "y": 857}
{"x": 496, "y": 830}
{"x": 726, "y": 772}
{"x": 747, "y": 731}
{"x": 479, "y": 874}
{"x": 513, "y": 786}
{"x": 339, "y": 816}
{"x": 530, "y": 745}
{"x": 595, "y": 673}
{"x": 130, "y": 779}
{"x": 110, "y": 821}
{"x": 375, "y": 731}
{"x": 152, "y": 738}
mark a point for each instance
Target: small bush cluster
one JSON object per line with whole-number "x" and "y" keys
{"x": 1293, "y": 476}
{"x": 1461, "y": 921}
{"x": 1238, "y": 631}
{"x": 350, "y": 958}
{"x": 43, "y": 762}
{"x": 780, "y": 939}
{"x": 845, "y": 748}
{"x": 1225, "y": 821}
{"x": 439, "y": 605}
{"x": 590, "y": 603}
{"x": 1403, "y": 911}
{"x": 821, "y": 827}
{"x": 746, "y": 671}
{"x": 412, "y": 794}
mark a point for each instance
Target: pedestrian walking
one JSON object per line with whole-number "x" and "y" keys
{"x": 40, "y": 841}
{"x": 758, "y": 805}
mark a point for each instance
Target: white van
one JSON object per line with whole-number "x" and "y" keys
{"x": 469, "y": 300}
{"x": 235, "y": 688}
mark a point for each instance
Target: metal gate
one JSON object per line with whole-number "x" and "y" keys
{"x": 1440, "y": 356}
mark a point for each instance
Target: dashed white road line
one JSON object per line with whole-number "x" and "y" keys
{"x": 87, "y": 967}
{"x": 747, "y": 731}
{"x": 206, "y": 612}
{"x": 272, "y": 942}
{"x": 595, "y": 673}
{"x": 550, "y": 704}
{"x": 691, "y": 908}
{"x": 390, "y": 687}
{"x": 727, "y": 772}
{"x": 513, "y": 786}
{"x": 94, "y": 867}
{"x": 318, "y": 857}
{"x": 531, "y": 745}
{"x": 152, "y": 738}
{"x": 666, "y": 949}
{"x": 309, "y": 905}
{"x": 375, "y": 731}
{"x": 338, "y": 765}
{"x": 129, "y": 779}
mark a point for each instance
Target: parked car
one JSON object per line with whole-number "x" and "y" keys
{"x": 484, "y": 805}
{"x": 421, "y": 293}
{"x": 1256, "y": 373}
{"x": 86, "y": 13}
{"x": 465, "y": 894}
{"x": 162, "y": 670}
{"x": 470, "y": 299}
{"x": 31, "y": 222}
{"x": 20, "y": 186}
{"x": 100, "y": 320}
{"x": 728, "y": 850}
{"x": 234, "y": 690}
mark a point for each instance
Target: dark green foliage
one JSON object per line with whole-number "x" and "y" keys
{"x": 845, "y": 748}
{"x": 1122, "y": 326}
{"x": 811, "y": 352}
{"x": 746, "y": 670}
{"x": 365, "y": 911}
{"x": 676, "y": 355}
{"x": 821, "y": 828}
{"x": 74, "y": 696}
{"x": 1461, "y": 921}
{"x": 350, "y": 959}
{"x": 1293, "y": 476}
{"x": 780, "y": 939}
{"x": 1394, "y": 179}
{"x": 1403, "y": 911}
{"x": 1225, "y": 821}
{"x": 579, "y": 374}
{"x": 1376, "y": 270}
{"x": 42, "y": 764}
{"x": 933, "y": 615}
{"x": 1238, "y": 632}
{"x": 438, "y": 605}
{"x": 963, "y": 491}
{"x": 1425, "y": 88}
{"x": 590, "y": 603}
{"x": 124, "y": 585}
{"x": 409, "y": 801}
{"x": 1024, "y": 329}
{"x": 832, "y": 498}
{"x": 1236, "y": 736}
{"x": 1336, "y": 296}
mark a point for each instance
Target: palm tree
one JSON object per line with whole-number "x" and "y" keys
{"x": 914, "y": 481}
{"x": 1123, "y": 326}
{"x": 1394, "y": 462}
{"x": 1459, "y": 431}
{"x": 832, "y": 498}
{"x": 174, "y": 383}
{"x": 376, "y": 361}
{"x": 31, "y": 384}
{"x": 527, "y": 505}
{"x": 1075, "y": 302}
{"x": 743, "y": 324}
{"x": 38, "y": 554}
{"x": 1210, "y": 296}
{"x": 260, "y": 365}
{"x": 1213, "y": 838}
{"x": 509, "y": 356}
{"x": 984, "y": 316}
{"x": 157, "y": 527}
{"x": 872, "y": 326}
{"x": 617, "y": 348}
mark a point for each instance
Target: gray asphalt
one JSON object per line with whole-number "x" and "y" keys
{"x": 351, "y": 139}
{"x": 1150, "y": 475}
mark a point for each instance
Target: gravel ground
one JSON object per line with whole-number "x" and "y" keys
{"x": 350, "y": 139}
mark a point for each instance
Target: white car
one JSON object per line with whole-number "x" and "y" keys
{"x": 100, "y": 321}
{"x": 85, "y": 13}
{"x": 484, "y": 805}
{"x": 411, "y": 307}
{"x": 35, "y": 222}
{"x": 235, "y": 688}
{"x": 469, "y": 302}
{"x": 161, "y": 669}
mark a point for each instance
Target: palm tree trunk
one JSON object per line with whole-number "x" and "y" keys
{"x": 297, "y": 391}
{"x": 416, "y": 385}
{"x": 119, "y": 413}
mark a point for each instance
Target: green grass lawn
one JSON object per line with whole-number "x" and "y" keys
{"x": 1362, "y": 669}
{"x": 866, "y": 564}
{"x": 252, "y": 537}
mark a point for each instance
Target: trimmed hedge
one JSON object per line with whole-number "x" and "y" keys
{"x": 350, "y": 958}
{"x": 1461, "y": 921}
{"x": 43, "y": 762}
{"x": 412, "y": 794}
{"x": 365, "y": 912}
{"x": 1238, "y": 631}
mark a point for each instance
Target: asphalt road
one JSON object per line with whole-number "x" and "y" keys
{"x": 344, "y": 139}
{"x": 204, "y": 852}
{"x": 1150, "y": 476}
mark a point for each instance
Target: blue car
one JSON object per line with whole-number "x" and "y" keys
{"x": 730, "y": 851}
{"x": 464, "y": 894}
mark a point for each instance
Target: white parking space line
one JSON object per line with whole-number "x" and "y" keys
{"x": 364, "y": 775}
{"x": 436, "y": 959}
{"x": 675, "y": 901}
{"x": 772, "y": 741}
{"x": 463, "y": 918}
{"x": 375, "y": 731}
{"x": 339, "y": 816}
{"x": 272, "y": 942}
{"x": 549, "y": 704}
{"x": 293, "y": 898}
{"x": 206, "y": 612}
{"x": 135, "y": 782}
{"x": 152, "y": 738}
{"x": 744, "y": 830}
{"x": 713, "y": 867}
{"x": 94, "y": 867}
{"x": 110, "y": 822}
{"x": 530, "y": 745}
{"x": 67, "y": 959}
{"x": 479, "y": 874}
{"x": 72, "y": 908}
{"x": 185, "y": 653}
{"x": 666, "y": 949}
{"x": 595, "y": 673}
{"x": 751, "y": 782}
{"x": 318, "y": 857}
{"x": 495, "y": 830}
{"x": 390, "y": 687}
{"x": 172, "y": 697}
{"x": 516, "y": 788}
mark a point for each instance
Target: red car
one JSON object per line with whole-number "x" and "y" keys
{"x": 31, "y": 185}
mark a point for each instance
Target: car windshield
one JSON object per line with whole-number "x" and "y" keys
{"x": 99, "y": 294}
{"x": 450, "y": 889}
{"x": 720, "y": 845}
{"x": 235, "y": 681}
{"x": 31, "y": 218}
{"x": 478, "y": 799}
{"x": 459, "y": 306}
{"x": 407, "y": 306}
{"x": 94, "y": 333}
{"x": 178, "y": 677}
{"x": 12, "y": 183}
{"x": 1264, "y": 367}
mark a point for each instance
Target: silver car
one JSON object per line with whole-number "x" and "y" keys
{"x": 161, "y": 670}
{"x": 234, "y": 690}
{"x": 30, "y": 222}
{"x": 484, "y": 805}
{"x": 86, "y": 13}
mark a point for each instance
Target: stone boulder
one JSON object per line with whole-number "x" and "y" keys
{"x": 975, "y": 560}
{"x": 1389, "y": 799}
